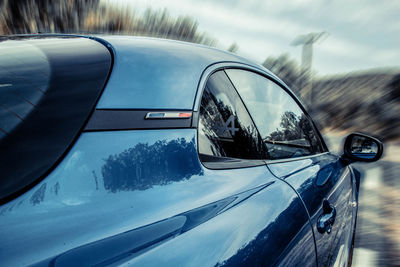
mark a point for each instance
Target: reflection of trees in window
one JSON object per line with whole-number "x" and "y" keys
{"x": 144, "y": 165}
{"x": 228, "y": 136}
{"x": 290, "y": 128}
{"x": 295, "y": 138}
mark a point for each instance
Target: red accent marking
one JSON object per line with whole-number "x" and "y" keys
{"x": 185, "y": 115}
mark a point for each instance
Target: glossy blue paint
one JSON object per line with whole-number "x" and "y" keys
{"x": 254, "y": 233}
{"x": 144, "y": 197}
{"x": 319, "y": 178}
{"x": 153, "y": 73}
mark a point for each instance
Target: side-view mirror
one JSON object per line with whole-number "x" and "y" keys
{"x": 362, "y": 147}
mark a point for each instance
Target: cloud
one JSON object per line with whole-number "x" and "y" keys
{"x": 362, "y": 31}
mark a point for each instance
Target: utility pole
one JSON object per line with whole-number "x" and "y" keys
{"x": 307, "y": 41}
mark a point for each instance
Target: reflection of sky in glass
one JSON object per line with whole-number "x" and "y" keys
{"x": 266, "y": 101}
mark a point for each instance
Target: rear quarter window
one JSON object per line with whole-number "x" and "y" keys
{"x": 48, "y": 88}
{"x": 225, "y": 128}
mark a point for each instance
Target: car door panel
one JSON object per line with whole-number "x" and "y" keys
{"x": 322, "y": 178}
{"x": 259, "y": 231}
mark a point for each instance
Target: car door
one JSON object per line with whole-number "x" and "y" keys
{"x": 325, "y": 186}
{"x": 228, "y": 139}
{"x": 298, "y": 156}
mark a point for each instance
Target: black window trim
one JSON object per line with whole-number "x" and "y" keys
{"x": 231, "y": 163}
{"x": 273, "y": 161}
{"x": 135, "y": 119}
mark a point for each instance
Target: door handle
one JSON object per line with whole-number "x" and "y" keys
{"x": 327, "y": 218}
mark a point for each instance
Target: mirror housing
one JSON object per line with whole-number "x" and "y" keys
{"x": 362, "y": 147}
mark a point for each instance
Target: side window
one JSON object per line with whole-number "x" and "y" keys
{"x": 286, "y": 131}
{"x": 225, "y": 127}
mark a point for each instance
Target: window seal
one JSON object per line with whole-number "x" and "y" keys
{"x": 273, "y": 161}
{"x": 224, "y": 163}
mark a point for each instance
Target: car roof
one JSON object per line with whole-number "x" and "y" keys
{"x": 151, "y": 73}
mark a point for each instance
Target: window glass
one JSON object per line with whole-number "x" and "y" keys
{"x": 284, "y": 128}
{"x": 24, "y": 78}
{"x": 48, "y": 89}
{"x": 225, "y": 127}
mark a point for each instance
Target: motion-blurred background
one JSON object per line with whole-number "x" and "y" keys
{"x": 341, "y": 58}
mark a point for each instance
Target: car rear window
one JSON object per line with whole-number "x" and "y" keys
{"x": 48, "y": 88}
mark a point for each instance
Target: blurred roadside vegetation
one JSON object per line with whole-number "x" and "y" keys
{"x": 360, "y": 101}
{"x": 365, "y": 101}
{"x": 94, "y": 16}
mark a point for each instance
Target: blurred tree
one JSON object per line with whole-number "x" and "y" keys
{"x": 93, "y": 16}
{"x": 394, "y": 87}
{"x": 32, "y": 16}
{"x": 285, "y": 68}
{"x": 159, "y": 23}
{"x": 359, "y": 102}
{"x": 233, "y": 48}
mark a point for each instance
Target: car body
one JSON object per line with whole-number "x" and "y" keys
{"x": 156, "y": 152}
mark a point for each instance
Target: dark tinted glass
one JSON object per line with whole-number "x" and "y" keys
{"x": 225, "y": 127}
{"x": 285, "y": 129}
{"x": 48, "y": 88}
{"x": 24, "y": 79}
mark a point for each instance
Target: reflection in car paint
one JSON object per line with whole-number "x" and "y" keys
{"x": 72, "y": 207}
{"x": 325, "y": 178}
{"x": 241, "y": 237}
{"x": 134, "y": 242}
{"x": 133, "y": 169}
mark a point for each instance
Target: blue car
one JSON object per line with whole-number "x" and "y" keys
{"x": 136, "y": 151}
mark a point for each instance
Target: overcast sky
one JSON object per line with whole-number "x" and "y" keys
{"x": 363, "y": 34}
